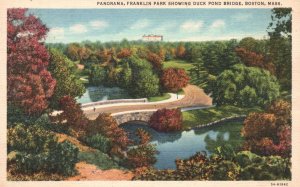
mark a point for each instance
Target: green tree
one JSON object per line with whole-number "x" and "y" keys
{"x": 245, "y": 86}
{"x": 279, "y": 31}
{"x": 63, "y": 70}
{"x": 97, "y": 75}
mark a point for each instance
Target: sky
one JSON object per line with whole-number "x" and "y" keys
{"x": 76, "y": 25}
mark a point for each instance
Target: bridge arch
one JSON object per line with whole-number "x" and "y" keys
{"x": 141, "y": 116}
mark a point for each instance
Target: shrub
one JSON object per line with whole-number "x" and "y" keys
{"x": 166, "y": 120}
{"x": 98, "y": 141}
{"x": 37, "y": 150}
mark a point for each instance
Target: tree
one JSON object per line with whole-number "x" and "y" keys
{"x": 124, "y": 53}
{"x": 198, "y": 73}
{"x": 245, "y": 86}
{"x": 71, "y": 115}
{"x": 29, "y": 83}
{"x": 144, "y": 154}
{"x": 97, "y": 75}
{"x": 145, "y": 84}
{"x": 63, "y": 70}
{"x": 155, "y": 60}
{"x": 73, "y": 51}
{"x": 269, "y": 133}
{"x": 166, "y": 120}
{"x": 252, "y": 59}
{"x": 125, "y": 77}
{"x": 279, "y": 31}
{"x": 174, "y": 79}
{"x": 180, "y": 51}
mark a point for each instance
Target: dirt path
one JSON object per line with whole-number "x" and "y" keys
{"x": 91, "y": 172}
{"x": 194, "y": 96}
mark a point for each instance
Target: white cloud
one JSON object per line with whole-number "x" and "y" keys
{"x": 218, "y": 24}
{"x": 55, "y": 34}
{"x": 78, "y": 28}
{"x": 140, "y": 24}
{"x": 191, "y": 26}
{"x": 98, "y": 24}
{"x": 165, "y": 27}
{"x": 240, "y": 17}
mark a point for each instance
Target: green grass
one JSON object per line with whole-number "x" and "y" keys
{"x": 98, "y": 158}
{"x": 203, "y": 116}
{"x": 177, "y": 64}
{"x": 165, "y": 96}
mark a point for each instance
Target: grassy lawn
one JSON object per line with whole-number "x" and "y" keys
{"x": 98, "y": 158}
{"x": 165, "y": 96}
{"x": 203, "y": 116}
{"x": 177, "y": 64}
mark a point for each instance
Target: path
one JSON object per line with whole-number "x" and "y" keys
{"x": 194, "y": 96}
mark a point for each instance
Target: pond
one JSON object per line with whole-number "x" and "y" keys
{"x": 102, "y": 93}
{"x": 172, "y": 146}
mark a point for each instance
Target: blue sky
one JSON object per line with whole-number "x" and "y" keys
{"x": 75, "y": 25}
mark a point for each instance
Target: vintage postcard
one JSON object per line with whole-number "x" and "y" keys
{"x": 143, "y": 93}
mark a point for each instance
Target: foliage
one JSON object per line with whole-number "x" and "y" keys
{"x": 98, "y": 141}
{"x": 252, "y": 59}
{"x": 63, "y": 70}
{"x": 174, "y": 79}
{"x": 269, "y": 133}
{"x": 106, "y": 125}
{"x": 98, "y": 158}
{"x": 166, "y": 120}
{"x": 144, "y": 84}
{"x": 245, "y": 86}
{"x": 97, "y": 75}
{"x": 37, "y": 150}
{"x": 143, "y": 155}
{"x": 155, "y": 60}
{"x": 279, "y": 31}
{"x": 241, "y": 166}
{"x": 124, "y": 53}
{"x": 199, "y": 74}
{"x": 29, "y": 84}
{"x": 180, "y": 51}
{"x": 71, "y": 115}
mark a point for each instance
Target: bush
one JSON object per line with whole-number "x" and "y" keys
{"x": 37, "y": 150}
{"x": 98, "y": 141}
{"x": 166, "y": 120}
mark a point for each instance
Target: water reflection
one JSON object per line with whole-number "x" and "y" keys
{"x": 101, "y": 93}
{"x": 185, "y": 144}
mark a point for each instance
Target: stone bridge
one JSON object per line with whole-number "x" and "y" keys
{"x": 143, "y": 116}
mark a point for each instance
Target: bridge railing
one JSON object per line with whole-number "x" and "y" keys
{"x": 115, "y": 101}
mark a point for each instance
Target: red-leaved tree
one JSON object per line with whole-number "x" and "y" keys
{"x": 253, "y": 59}
{"x": 124, "y": 53}
{"x": 174, "y": 79}
{"x": 155, "y": 60}
{"x": 269, "y": 133}
{"x": 29, "y": 83}
{"x": 166, "y": 120}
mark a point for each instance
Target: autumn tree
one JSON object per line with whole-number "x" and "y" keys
{"x": 29, "y": 83}
{"x": 166, "y": 120}
{"x": 269, "y": 133}
{"x": 71, "y": 116}
{"x": 155, "y": 60}
{"x": 67, "y": 83}
{"x": 180, "y": 51}
{"x": 73, "y": 51}
{"x": 253, "y": 59}
{"x": 124, "y": 53}
{"x": 174, "y": 79}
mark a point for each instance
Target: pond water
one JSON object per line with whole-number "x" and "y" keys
{"x": 101, "y": 93}
{"x": 172, "y": 146}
